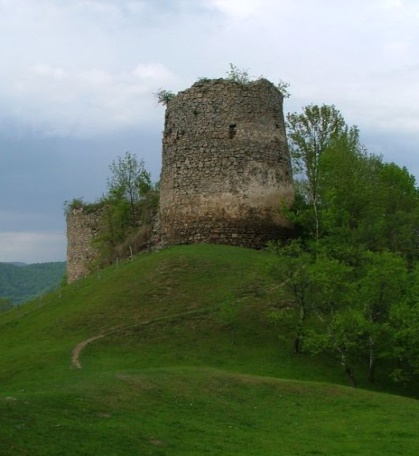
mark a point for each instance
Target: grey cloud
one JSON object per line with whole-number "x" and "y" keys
{"x": 77, "y": 81}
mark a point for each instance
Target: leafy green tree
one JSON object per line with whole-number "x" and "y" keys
{"x": 341, "y": 333}
{"x": 310, "y": 134}
{"x": 356, "y": 325}
{"x": 128, "y": 210}
{"x": 403, "y": 332}
{"x": 129, "y": 182}
{"x": 316, "y": 284}
{"x": 347, "y": 193}
{"x": 357, "y": 221}
{"x": 396, "y": 204}
{"x": 291, "y": 271}
{"x": 368, "y": 202}
{"x": 381, "y": 288}
{"x": 344, "y": 300}
{"x": 346, "y": 172}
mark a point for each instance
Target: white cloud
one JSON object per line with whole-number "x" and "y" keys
{"x": 48, "y": 71}
{"x": 237, "y": 9}
{"x": 135, "y": 6}
{"x": 392, "y": 3}
{"x": 153, "y": 71}
{"x": 32, "y": 247}
{"x": 87, "y": 101}
{"x": 94, "y": 78}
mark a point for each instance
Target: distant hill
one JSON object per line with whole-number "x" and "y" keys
{"x": 20, "y": 282}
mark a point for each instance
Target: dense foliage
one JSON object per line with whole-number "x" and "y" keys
{"x": 352, "y": 271}
{"x": 21, "y": 283}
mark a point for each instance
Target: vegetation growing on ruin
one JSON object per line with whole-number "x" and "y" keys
{"x": 235, "y": 74}
{"x": 164, "y": 96}
{"x": 129, "y": 209}
{"x": 79, "y": 204}
{"x": 242, "y": 76}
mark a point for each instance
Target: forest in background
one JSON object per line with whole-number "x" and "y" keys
{"x": 19, "y": 283}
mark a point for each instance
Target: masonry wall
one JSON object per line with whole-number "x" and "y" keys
{"x": 82, "y": 227}
{"x": 226, "y": 166}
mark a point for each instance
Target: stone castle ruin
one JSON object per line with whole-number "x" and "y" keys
{"x": 226, "y": 165}
{"x": 226, "y": 172}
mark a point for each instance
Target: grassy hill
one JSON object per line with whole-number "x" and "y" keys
{"x": 20, "y": 282}
{"x": 181, "y": 361}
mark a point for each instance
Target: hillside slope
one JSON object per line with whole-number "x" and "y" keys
{"x": 20, "y": 282}
{"x": 186, "y": 364}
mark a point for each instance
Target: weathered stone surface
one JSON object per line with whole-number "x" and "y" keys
{"x": 82, "y": 228}
{"x": 226, "y": 165}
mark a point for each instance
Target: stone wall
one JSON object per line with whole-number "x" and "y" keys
{"x": 82, "y": 227}
{"x": 226, "y": 166}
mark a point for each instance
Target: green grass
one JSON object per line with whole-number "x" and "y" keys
{"x": 189, "y": 365}
{"x": 205, "y": 411}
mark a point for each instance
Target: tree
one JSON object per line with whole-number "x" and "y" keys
{"x": 291, "y": 271}
{"x": 346, "y": 172}
{"x": 128, "y": 210}
{"x": 381, "y": 287}
{"x": 347, "y": 193}
{"x": 396, "y": 204}
{"x": 349, "y": 302}
{"x": 367, "y": 202}
{"x": 403, "y": 331}
{"x": 316, "y": 283}
{"x": 357, "y": 229}
{"x": 341, "y": 334}
{"x": 129, "y": 181}
{"x": 356, "y": 325}
{"x": 310, "y": 134}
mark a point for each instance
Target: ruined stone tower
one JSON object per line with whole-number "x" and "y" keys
{"x": 226, "y": 166}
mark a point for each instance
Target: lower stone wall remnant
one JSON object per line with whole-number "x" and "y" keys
{"x": 82, "y": 228}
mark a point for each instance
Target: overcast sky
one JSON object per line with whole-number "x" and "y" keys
{"x": 77, "y": 79}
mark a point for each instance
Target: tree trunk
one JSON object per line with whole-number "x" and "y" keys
{"x": 298, "y": 338}
{"x": 348, "y": 370}
{"x": 350, "y": 375}
{"x": 297, "y": 345}
{"x": 371, "y": 364}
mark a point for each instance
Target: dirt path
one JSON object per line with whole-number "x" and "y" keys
{"x": 75, "y": 359}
